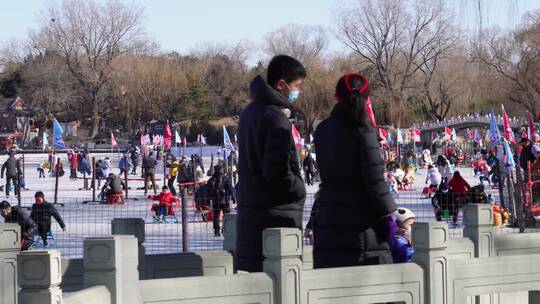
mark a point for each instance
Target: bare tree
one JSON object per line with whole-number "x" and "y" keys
{"x": 516, "y": 57}
{"x": 308, "y": 44}
{"x": 88, "y": 37}
{"x": 396, "y": 37}
{"x": 443, "y": 82}
{"x": 305, "y": 43}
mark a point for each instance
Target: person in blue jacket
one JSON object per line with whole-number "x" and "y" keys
{"x": 401, "y": 245}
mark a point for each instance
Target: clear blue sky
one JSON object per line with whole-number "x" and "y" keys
{"x": 182, "y": 24}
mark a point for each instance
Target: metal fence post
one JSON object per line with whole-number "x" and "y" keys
{"x": 185, "y": 240}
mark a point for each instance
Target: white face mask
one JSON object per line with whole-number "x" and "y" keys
{"x": 409, "y": 230}
{"x": 287, "y": 112}
{"x": 293, "y": 94}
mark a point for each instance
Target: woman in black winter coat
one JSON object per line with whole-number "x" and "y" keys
{"x": 351, "y": 216}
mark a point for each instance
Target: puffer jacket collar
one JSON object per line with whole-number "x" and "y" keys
{"x": 262, "y": 93}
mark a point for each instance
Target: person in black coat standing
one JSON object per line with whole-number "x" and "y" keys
{"x": 270, "y": 188}
{"x": 352, "y": 214}
{"x": 309, "y": 168}
{"x": 220, "y": 193}
{"x": 12, "y": 170}
{"x": 41, "y": 214}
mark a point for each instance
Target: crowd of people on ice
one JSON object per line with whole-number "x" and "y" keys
{"x": 271, "y": 187}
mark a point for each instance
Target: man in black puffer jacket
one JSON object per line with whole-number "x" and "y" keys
{"x": 270, "y": 189}
{"x": 12, "y": 169}
{"x": 41, "y": 214}
{"x": 16, "y": 215}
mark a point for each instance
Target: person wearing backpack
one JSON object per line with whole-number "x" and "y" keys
{"x": 221, "y": 191}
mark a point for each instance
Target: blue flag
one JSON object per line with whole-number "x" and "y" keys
{"x": 509, "y": 155}
{"x": 58, "y": 136}
{"x": 494, "y": 133}
{"x": 227, "y": 140}
{"x": 399, "y": 136}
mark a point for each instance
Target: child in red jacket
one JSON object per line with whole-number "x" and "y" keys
{"x": 166, "y": 201}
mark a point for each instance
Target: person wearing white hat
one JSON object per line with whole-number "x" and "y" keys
{"x": 401, "y": 246}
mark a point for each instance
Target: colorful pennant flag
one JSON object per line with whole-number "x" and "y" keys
{"x": 177, "y": 138}
{"x": 416, "y": 135}
{"x": 167, "y": 139}
{"x": 494, "y": 134}
{"x": 297, "y": 138}
{"x": 369, "y": 109}
{"x": 58, "y": 136}
{"x": 509, "y": 155}
{"x": 227, "y": 140}
{"x": 508, "y": 133}
{"x": 399, "y": 136}
{"x": 45, "y": 140}
{"x": 113, "y": 140}
{"x": 447, "y": 133}
{"x": 383, "y": 134}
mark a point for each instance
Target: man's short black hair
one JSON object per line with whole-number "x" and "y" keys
{"x": 4, "y": 205}
{"x": 164, "y": 188}
{"x": 286, "y": 68}
{"x": 39, "y": 194}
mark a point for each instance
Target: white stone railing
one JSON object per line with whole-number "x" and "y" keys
{"x": 482, "y": 267}
{"x": 97, "y": 294}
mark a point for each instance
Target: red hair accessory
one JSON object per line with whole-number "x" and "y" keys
{"x": 346, "y": 82}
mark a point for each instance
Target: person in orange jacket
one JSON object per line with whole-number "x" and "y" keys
{"x": 166, "y": 200}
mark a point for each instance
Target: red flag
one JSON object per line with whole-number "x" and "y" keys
{"x": 415, "y": 134}
{"x": 508, "y": 134}
{"x": 447, "y": 133}
{"x": 384, "y": 135}
{"x": 369, "y": 109}
{"x": 113, "y": 141}
{"x": 167, "y": 139}
{"x": 297, "y": 138}
{"x": 471, "y": 135}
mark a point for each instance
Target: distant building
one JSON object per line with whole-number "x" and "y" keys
{"x": 70, "y": 128}
{"x": 155, "y": 127}
{"x": 16, "y": 123}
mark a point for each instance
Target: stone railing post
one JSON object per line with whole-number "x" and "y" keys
{"x": 430, "y": 242}
{"x": 478, "y": 220}
{"x": 229, "y": 233}
{"x": 136, "y": 228}
{"x": 282, "y": 249}
{"x": 112, "y": 261}
{"x": 40, "y": 275}
{"x": 10, "y": 244}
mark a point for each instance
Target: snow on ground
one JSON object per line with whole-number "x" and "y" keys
{"x": 92, "y": 219}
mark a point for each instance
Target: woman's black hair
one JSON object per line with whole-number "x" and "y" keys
{"x": 353, "y": 89}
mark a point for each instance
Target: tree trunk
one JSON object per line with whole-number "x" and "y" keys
{"x": 95, "y": 118}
